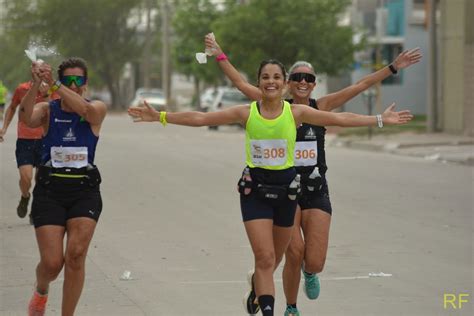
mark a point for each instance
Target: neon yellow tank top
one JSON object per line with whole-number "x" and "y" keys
{"x": 270, "y": 144}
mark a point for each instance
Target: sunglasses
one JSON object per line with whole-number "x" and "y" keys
{"x": 299, "y": 76}
{"x": 79, "y": 81}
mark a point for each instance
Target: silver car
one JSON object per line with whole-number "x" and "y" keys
{"x": 154, "y": 97}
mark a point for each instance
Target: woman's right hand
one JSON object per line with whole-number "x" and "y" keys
{"x": 144, "y": 113}
{"x": 35, "y": 72}
{"x": 211, "y": 45}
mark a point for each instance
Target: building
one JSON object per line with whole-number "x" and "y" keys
{"x": 391, "y": 26}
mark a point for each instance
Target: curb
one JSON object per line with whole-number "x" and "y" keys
{"x": 397, "y": 149}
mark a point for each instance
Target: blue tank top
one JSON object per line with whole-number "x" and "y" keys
{"x": 70, "y": 131}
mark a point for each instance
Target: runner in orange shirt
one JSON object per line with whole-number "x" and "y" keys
{"x": 28, "y": 144}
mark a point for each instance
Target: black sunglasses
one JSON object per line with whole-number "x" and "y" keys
{"x": 299, "y": 76}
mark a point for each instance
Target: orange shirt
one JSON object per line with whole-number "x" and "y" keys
{"x": 24, "y": 131}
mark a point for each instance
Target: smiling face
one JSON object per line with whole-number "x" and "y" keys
{"x": 301, "y": 89}
{"x": 271, "y": 81}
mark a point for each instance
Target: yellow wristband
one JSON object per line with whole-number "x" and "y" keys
{"x": 54, "y": 87}
{"x": 163, "y": 118}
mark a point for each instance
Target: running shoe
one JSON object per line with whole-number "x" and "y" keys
{"x": 311, "y": 285}
{"x": 291, "y": 311}
{"x": 37, "y": 304}
{"x": 250, "y": 298}
{"x": 22, "y": 208}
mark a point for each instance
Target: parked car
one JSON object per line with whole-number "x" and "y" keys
{"x": 207, "y": 98}
{"x": 225, "y": 98}
{"x": 154, "y": 97}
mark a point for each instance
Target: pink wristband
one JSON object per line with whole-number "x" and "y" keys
{"x": 221, "y": 57}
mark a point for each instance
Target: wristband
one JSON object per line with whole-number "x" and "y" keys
{"x": 379, "y": 120}
{"x": 57, "y": 84}
{"x": 221, "y": 57}
{"x": 393, "y": 69}
{"x": 163, "y": 118}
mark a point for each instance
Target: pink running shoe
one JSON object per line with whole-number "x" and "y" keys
{"x": 37, "y": 305}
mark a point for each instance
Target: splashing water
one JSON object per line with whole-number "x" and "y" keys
{"x": 35, "y": 49}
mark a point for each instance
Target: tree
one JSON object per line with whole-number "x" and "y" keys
{"x": 97, "y": 30}
{"x": 17, "y": 29}
{"x": 286, "y": 30}
{"x": 192, "y": 21}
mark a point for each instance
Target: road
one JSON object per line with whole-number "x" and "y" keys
{"x": 171, "y": 217}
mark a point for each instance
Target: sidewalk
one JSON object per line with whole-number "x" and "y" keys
{"x": 437, "y": 146}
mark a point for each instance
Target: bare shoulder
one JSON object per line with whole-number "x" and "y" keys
{"x": 98, "y": 105}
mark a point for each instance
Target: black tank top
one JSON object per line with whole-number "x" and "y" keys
{"x": 308, "y": 132}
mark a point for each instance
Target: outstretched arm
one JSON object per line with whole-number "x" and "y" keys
{"x": 306, "y": 114}
{"x": 8, "y": 116}
{"x": 337, "y": 99}
{"x": 236, "y": 114}
{"x": 252, "y": 92}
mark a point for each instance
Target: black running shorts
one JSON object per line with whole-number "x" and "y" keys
{"x": 63, "y": 199}
{"x": 28, "y": 152}
{"x": 254, "y": 207}
{"x": 316, "y": 199}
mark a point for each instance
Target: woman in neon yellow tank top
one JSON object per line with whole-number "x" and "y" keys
{"x": 267, "y": 199}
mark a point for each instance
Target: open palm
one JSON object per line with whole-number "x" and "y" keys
{"x": 391, "y": 117}
{"x": 407, "y": 58}
{"x": 143, "y": 113}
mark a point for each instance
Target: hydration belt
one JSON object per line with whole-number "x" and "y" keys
{"x": 269, "y": 192}
{"x": 90, "y": 173}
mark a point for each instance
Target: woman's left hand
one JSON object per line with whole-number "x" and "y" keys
{"x": 144, "y": 113}
{"x": 391, "y": 117}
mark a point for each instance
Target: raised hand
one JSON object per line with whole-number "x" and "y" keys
{"x": 45, "y": 73}
{"x": 407, "y": 58}
{"x": 35, "y": 72}
{"x": 144, "y": 113}
{"x": 391, "y": 117}
{"x": 211, "y": 45}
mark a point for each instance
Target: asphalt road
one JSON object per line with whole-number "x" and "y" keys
{"x": 171, "y": 217}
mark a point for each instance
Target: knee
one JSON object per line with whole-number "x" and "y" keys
{"x": 265, "y": 260}
{"x": 294, "y": 255}
{"x": 75, "y": 258}
{"x": 52, "y": 267}
{"x": 25, "y": 177}
{"x": 314, "y": 265}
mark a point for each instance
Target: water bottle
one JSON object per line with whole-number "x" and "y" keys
{"x": 209, "y": 51}
{"x": 294, "y": 188}
{"x": 245, "y": 178}
{"x": 315, "y": 174}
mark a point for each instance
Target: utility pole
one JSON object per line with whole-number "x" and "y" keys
{"x": 432, "y": 108}
{"x": 165, "y": 62}
{"x": 146, "y": 61}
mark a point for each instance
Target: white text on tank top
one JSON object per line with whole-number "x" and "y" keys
{"x": 268, "y": 152}
{"x": 69, "y": 157}
{"x": 306, "y": 153}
